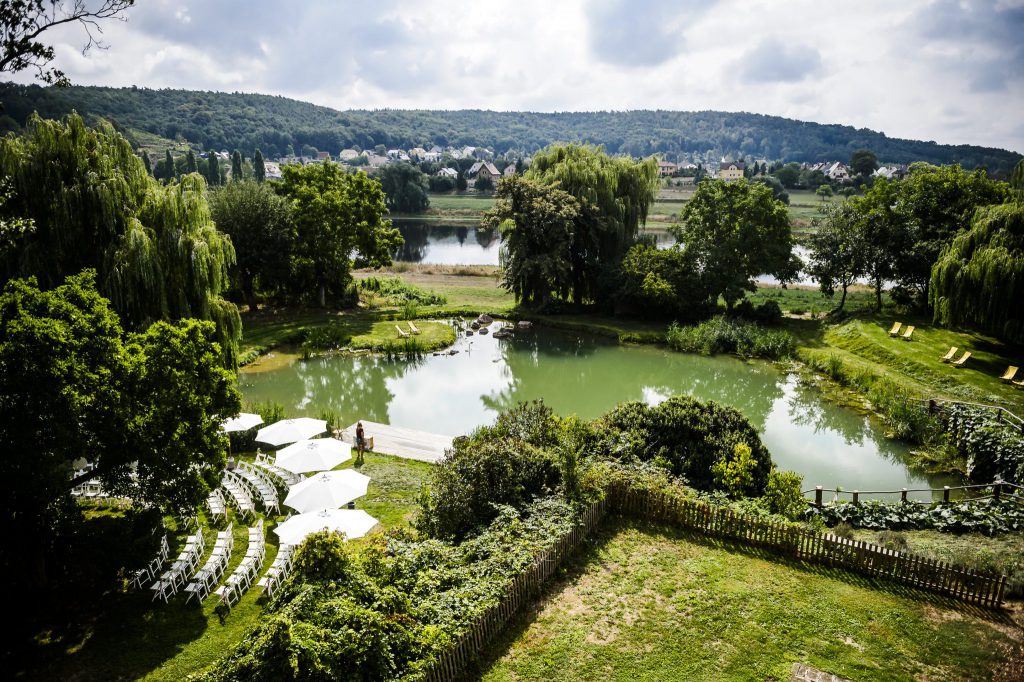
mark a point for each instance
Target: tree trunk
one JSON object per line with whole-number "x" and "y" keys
{"x": 842, "y": 301}
{"x": 248, "y": 290}
{"x": 878, "y": 294}
{"x": 322, "y": 295}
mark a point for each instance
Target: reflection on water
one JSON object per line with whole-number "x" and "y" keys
{"x": 587, "y": 376}
{"x": 447, "y": 244}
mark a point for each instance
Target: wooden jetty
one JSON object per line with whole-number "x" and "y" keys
{"x": 401, "y": 442}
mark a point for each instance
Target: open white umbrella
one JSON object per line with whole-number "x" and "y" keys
{"x": 290, "y": 430}
{"x": 328, "y": 490}
{"x": 243, "y": 422}
{"x": 354, "y": 523}
{"x": 321, "y": 454}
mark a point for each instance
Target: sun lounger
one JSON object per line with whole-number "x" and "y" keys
{"x": 1018, "y": 384}
{"x": 949, "y": 354}
{"x": 907, "y": 334}
{"x": 413, "y": 328}
{"x": 1009, "y": 374}
{"x": 962, "y": 360}
{"x": 401, "y": 332}
{"x": 895, "y": 328}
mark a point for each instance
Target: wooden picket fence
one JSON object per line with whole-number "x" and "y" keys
{"x": 873, "y": 560}
{"x": 718, "y": 522}
{"x": 520, "y": 591}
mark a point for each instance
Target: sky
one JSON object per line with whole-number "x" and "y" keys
{"x": 941, "y": 70}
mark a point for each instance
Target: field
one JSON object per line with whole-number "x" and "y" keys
{"x": 646, "y": 603}
{"x": 129, "y": 637}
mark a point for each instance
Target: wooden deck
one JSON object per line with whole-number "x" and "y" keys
{"x": 401, "y": 442}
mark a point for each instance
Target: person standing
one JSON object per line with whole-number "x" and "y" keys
{"x": 360, "y": 442}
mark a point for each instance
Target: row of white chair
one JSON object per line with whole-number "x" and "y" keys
{"x": 239, "y": 493}
{"x": 285, "y": 477}
{"x": 152, "y": 569}
{"x": 171, "y": 580}
{"x": 241, "y": 579}
{"x": 278, "y": 570}
{"x": 216, "y": 504}
{"x": 204, "y": 580}
{"x": 262, "y": 484}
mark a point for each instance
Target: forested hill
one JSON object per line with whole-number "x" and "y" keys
{"x": 214, "y": 120}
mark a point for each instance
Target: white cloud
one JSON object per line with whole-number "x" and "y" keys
{"x": 941, "y": 70}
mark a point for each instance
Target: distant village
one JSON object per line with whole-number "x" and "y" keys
{"x": 482, "y": 168}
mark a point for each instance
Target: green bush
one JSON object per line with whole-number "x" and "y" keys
{"x": 783, "y": 496}
{"x": 395, "y": 291}
{"x": 984, "y": 516}
{"x": 725, "y": 335}
{"x": 504, "y": 464}
{"x": 735, "y": 476}
{"x": 685, "y": 437}
{"x": 991, "y": 447}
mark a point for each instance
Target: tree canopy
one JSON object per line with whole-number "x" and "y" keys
{"x": 259, "y": 224}
{"x": 405, "y": 188}
{"x": 156, "y": 250}
{"x": 536, "y": 223}
{"x": 837, "y": 250}
{"x": 735, "y": 231}
{"x": 336, "y": 215}
{"x": 614, "y": 195}
{"x": 143, "y": 408}
{"x": 978, "y": 280}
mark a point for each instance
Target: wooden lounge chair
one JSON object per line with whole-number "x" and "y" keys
{"x": 907, "y": 334}
{"x": 962, "y": 360}
{"x": 413, "y": 328}
{"x": 949, "y": 354}
{"x": 895, "y": 328}
{"x": 1009, "y": 374}
{"x": 1018, "y": 384}
{"x": 401, "y": 332}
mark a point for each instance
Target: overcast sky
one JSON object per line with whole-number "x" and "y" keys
{"x": 938, "y": 70}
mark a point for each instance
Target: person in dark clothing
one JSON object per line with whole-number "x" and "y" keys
{"x": 360, "y": 442}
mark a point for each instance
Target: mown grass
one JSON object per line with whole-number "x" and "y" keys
{"x": 808, "y": 300}
{"x": 648, "y": 603}
{"x": 129, "y": 637}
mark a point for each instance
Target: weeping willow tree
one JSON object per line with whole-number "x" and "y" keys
{"x": 978, "y": 281}
{"x": 155, "y": 247}
{"x": 614, "y": 193}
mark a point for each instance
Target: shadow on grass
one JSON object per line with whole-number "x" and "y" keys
{"x": 587, "y": 557}
{"x": 147, "y": 635}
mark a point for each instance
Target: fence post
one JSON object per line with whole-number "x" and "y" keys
{"x": 945, "y": 493}
{"x": 817, "y": 496}
{"x": 903, "y": 495}
{"x": 856, "y": 498}
{"x": 931, "y": 406}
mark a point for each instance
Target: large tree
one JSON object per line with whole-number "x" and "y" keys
{"x": 837, "y": 250}
{"x": 735, "y": 231}
{"x": 93, "y": 205}
{"x": 335, "y": 214}
{"x": 22, "y": 23}
{"x": 143, "y": 408}
{"x": 937, "y": 203}
{"x": 236, "y": 166}
{"x": 536, "y": 223}
{"x": 259, "y": 168}
{"x": 978, "y": 281}
{"x": 259, "y": 224}
{"x": 863, "y": 162}
{"x": 661, "y": 284}
{"x": 883, "y": 232}
{"x": 405, "y": 188}
{"x": 614, "y": 196}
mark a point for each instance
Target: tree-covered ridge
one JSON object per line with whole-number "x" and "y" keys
{"x": 273, "y": 124}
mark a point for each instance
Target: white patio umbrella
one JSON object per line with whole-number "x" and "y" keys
{"x": 243, "y": 422}
{"x": 290, "y": 430}
{"x": 328, "y": 490}
{"x": 321, "y": 454}
{"x": 354, "y": 523}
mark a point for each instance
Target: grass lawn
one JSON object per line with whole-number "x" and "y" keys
{"x": 467, "y": 289}
{"x": 864, "y": 341}
{"x": 129, "y": 637}
{"x": 802, "y": 299}
{"x": 648, "y": 603}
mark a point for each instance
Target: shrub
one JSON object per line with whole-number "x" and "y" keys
{"x": 395, "y": 291}
{"x": 725, "y": 335}
{"x": 992, "y": 448}
{"x": 660, "y": 284}
{"x": 735, "y": 476}
{"x": 783, "y": 496}
{"x": 685, "y": 437}
{"x": 984, "y": 516}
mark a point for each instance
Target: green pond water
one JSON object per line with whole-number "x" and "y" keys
{"x": 587, "y": 376}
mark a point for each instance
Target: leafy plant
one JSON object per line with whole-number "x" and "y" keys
{"x": 725, "y": 335}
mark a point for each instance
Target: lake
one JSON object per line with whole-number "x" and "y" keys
{"x": 452, "y": 394}
{"x": 436, "y": 243}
